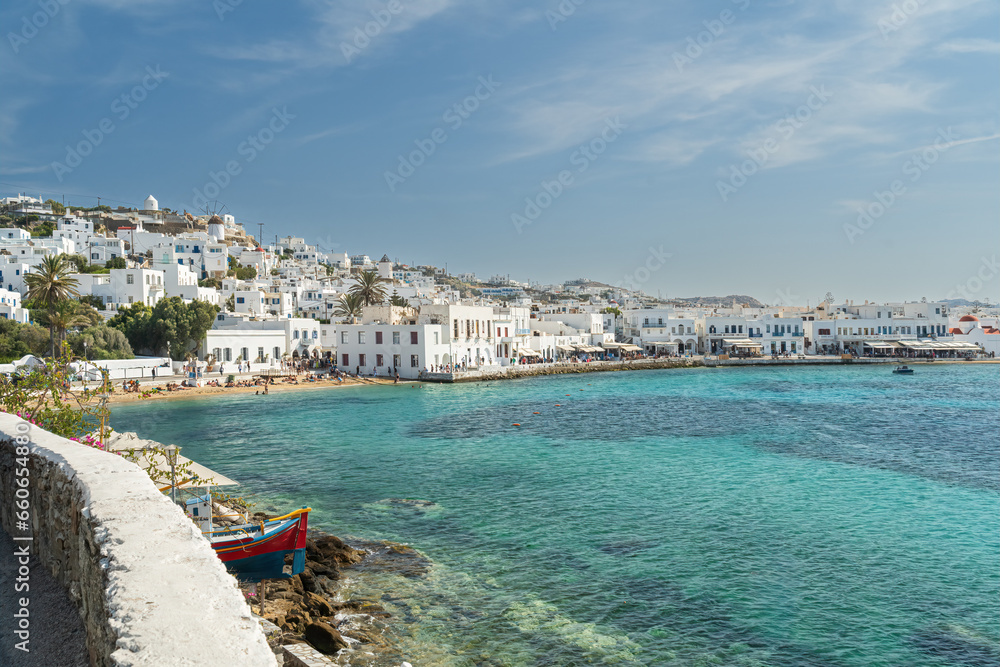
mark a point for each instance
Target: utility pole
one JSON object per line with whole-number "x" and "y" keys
{"x": 260, "y": 233}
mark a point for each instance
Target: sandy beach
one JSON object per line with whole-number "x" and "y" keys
{"x": 201, "y": 392}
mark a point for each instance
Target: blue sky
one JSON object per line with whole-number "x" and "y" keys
{"x": 778, "y": 149}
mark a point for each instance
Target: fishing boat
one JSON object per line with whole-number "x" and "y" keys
{"x": 903, "y": 370}
{"x": 255, "y": 551}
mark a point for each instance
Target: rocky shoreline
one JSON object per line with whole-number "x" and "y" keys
{"x": 313, "y": 607}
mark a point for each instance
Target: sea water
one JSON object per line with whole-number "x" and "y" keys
{"x": 734, "y": 516}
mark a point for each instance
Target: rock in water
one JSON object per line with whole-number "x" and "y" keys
{"x": 331, "y": 550}
{"x": 324, "y": 638}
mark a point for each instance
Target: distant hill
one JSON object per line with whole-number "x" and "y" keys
{"x": 718, "y": 301}
{"x": 961, "y": 302}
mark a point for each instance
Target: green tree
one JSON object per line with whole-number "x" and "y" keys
{"x": 50, "y": 285}
{"x": 12, "y": 346}
{"x": 170, "y": 321}
{"x": 116, "y": 263}
{"x": 64, "y": 316}
{"x": 370, "y": 287}
{"x": 44, "y": 229}
{"x": 94, "y": 302}
{"x": 57, "y": 207}
{"x": 100, "y": 342}
{"x": 240, "y": 272}
{"x": 399, "y": 301}
{"x": 210, "y": 282}
{"x": 349, "y": 306}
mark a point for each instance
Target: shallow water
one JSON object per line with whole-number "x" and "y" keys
{"x": 742, "y": 516}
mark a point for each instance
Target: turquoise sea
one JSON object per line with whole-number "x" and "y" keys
{"x": 835, "y": 516}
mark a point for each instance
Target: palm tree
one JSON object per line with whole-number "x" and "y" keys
{"x": 65, "y": 315}
{"x": 349, "y": 306}
{"x": 50, "y": 285}
{"x": 370, "y": 286}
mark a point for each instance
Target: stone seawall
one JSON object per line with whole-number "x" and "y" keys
{"x": 529, "y": 370}
{"x": 148, "y": 586}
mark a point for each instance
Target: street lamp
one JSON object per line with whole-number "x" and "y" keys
{"x": 171, "y": 451}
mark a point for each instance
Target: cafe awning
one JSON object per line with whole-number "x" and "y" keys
{"x": 564, "y": 348}
{"x": 631, "y": 348}
{"x": 529, "y": 353}
{"x": 740, "y": 342}
{"x": 938, "y": 345}
{"x": 881, "y": 344}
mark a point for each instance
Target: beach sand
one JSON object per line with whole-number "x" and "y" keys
{"x": 202, "y": 392}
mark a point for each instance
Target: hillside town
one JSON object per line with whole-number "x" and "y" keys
{"x": 286, "y": 303}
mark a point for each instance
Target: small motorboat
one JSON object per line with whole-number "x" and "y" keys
{"x": 903, "y": 370}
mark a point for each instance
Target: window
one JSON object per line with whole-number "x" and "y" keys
{"x": 245, "y": 354}
{"x": 345, "y": 359}
{"x": 361, "y": 360}
{"x": 277, "y": 353}
{"x": 361, "y": 338}
{"x": 130, "y": 279}
{"x": 768, "y": 327}
{"x": 414, "y": 361}
{"x": 229, "y": 354}
{"x": 343, "y": 337}
{"x": 295, "y": 334}
{"x": 727, "y": 328}
{"x": 240, "y": 299}
{"x": 437, "y": 337}
{"x": 413, "y": 338}
{"x": 378, "y": 340}
{"x": 315, "y": 334}
{"x": 455, "y": 334}
{"x": 397, "y": 361}
{"x": 378, "y": 360}
{"x": 395, "y": 337}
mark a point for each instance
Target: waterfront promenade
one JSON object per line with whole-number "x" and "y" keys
{"x": 564, "y": 367}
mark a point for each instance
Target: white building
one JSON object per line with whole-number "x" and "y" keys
{"x": 10, "y": 306}
{"x": 261, "y": 341}
{"x": 128, "y": 286}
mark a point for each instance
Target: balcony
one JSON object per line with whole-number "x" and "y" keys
{"x": 755, "y": 335}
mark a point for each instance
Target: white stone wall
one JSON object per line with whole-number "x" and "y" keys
{"x": 149, "y": 588}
